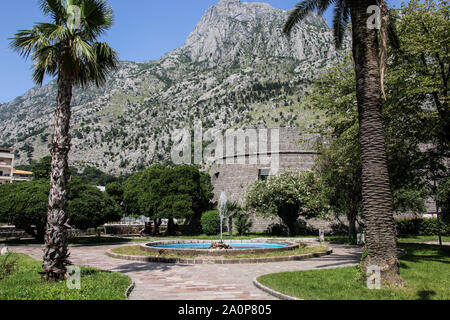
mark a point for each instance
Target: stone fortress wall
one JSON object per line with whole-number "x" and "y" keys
{"x": 285, "y": 148}
{"x": 288, "y": 150}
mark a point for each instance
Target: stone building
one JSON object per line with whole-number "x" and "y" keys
{"x": 256, "y": 154}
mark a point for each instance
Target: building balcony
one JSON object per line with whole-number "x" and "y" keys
{"x": 5, "y": 155}
{"x": 20, "y": 175}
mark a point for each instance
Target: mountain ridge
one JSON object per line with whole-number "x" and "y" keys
{"x": 236, "y": 69}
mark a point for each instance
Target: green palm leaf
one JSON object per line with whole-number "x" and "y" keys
{"x": 54, "y": 45}
{"x": 302, "y": 9}
{"x": 340, "y": 21}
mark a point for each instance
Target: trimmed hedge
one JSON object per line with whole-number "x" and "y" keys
{"x": 421, "y": 227}
{"x": 211, "y": 222}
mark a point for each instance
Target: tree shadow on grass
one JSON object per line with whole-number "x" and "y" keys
{"x": 426, "y": 294}
{"x": 90, "y": 271}
{"x": 415, "y": 253}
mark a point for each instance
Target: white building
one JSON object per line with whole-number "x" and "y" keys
{"x": 6, "y": 166}
{"x": 7, "y": 172}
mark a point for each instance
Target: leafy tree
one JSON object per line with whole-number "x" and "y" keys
{"x": 287, "y": 196}
{"x": 89, "y": 207}
{"x": 421, "y": 65}
{"x": 66, "y": 48}
{"x": 161, "y": 192}
{"x": 115, "y": 190}
{"x": 96, "y": 177}
{"x": 419, "y": 85}
{"x": 25, "y": 204}
{"x": 369, "y": 53}
{"x": 339, "y": 165}
{"x": 132, "y": 190}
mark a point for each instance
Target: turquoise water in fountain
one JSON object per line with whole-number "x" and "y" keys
{"x": 235, "y": 246}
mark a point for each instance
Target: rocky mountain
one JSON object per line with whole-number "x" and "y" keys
{"x": 235, "y": 70}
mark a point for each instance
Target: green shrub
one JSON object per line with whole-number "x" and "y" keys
{"x": 288, "y": 196}
{"x": 242, "y": 223}
{"x": 211, "y": 222}
{"x": 420, "y": 227}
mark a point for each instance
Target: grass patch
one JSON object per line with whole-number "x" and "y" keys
{"x": 136, "y": 251}
{"x": 425, "y": 268}
{"x": 401, "y": 239}
{"x": 299, "y": 251}
{"x": 408, "y": 239}
{"x": 24, "y": 283}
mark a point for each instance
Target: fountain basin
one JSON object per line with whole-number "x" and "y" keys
{"x": 201, "y": 247}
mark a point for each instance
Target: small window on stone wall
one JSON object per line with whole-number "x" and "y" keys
{"x": 264, "y": 174}
{"x": 217, "y": 174}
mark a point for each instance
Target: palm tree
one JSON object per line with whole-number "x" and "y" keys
{"x": 381, "y": 239}
{"x": 233, "y": 208}
{"x": 65, "y": 48}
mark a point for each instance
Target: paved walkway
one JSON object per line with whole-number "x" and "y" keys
{"x": 156, "y": 281}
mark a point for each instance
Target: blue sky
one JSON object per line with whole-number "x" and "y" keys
{"x": 143, "y": 30}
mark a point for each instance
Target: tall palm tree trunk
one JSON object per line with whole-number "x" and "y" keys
{"x": 56, "y": 253}
{"x": 381, "y": 239}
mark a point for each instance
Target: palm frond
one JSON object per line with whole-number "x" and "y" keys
{"x": 46, "y": 61}
{"x": 53, "y": 32}
{"x": 106, "y": 60}
{"x": 56, "y": 9}
{"x": 56, "y": 47}
{"x": 302, "y": 9}
{"x": 82, "y": 50}
{"x": 97, "y": 17}
{"x": 341, "y": 19}
{"x": 26, "y": 41}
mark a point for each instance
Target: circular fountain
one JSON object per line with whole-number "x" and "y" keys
{"x": 212, "y": 248}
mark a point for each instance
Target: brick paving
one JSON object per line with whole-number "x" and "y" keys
{"x": 157, "y": 281}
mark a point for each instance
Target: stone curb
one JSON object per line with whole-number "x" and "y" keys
{"x": 149, "y": 247}
{"x": 130, "y": 290}
{"x": 274, "y": 293}
{"x": 109, "y": 253}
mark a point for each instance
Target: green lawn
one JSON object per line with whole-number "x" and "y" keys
{"x": 407, "y": 239}
{"x": 136, "y": 251}
{"x": 24, "y": 283}
{"x": 425, "y": 268}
